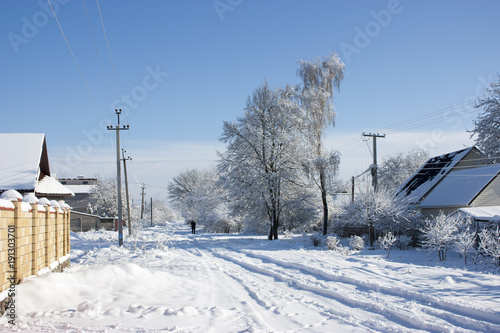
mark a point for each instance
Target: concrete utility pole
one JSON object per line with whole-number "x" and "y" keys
{"x": 126, "y": 191}
{"x": 142, "y": 204}
{"x": 352, "y": 189}
{"x": 374, "y": 169}
{"x": 117, "y": 128}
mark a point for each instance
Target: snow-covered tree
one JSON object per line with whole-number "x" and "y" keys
{"x": 378, "y": 209}
{"x": 439, "y": 233}
{"x": 103, "y": 199}
{"x": 465, "y": 241}
{"x": 487, "y": 125}
{"x": 260, "y": 168}
{"x": 387, "y": 241}
{"x": 319, "y": 80}
{"x": 395, "y": 169}
{"x": 490, "y": 244}
{"x": 199, "y": 197}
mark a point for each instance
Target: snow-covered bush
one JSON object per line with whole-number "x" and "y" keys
{"x": 464, "y": 242}
{"x": 490, "y": 244}
{"x": 439, "y": 233}
{"x": 332, "y": 243}
{"x": 356, "y": 243}
{"x": 403, "y": 242}
{"x": 387, "y": 241}
{"x": 379, "y": 209}
{"x": 316, "y": 240}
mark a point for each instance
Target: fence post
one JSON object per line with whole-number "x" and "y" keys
{"x": 34, "y": 236}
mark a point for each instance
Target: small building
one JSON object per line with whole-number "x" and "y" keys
{"x": 452, "y": 181}
{"x": 81, "y": 186}
{"x": 24, "y": 166}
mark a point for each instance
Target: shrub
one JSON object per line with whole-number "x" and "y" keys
{"x": 316, "y": 240}
{"x": 403, "y": 242}
{"x": 356, "y": 243}
{"x": 332, "y": 243}
{"x": 386, "y": 242}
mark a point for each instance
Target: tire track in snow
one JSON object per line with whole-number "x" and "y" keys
{"x": 461, "y": 322}
{"x": 229, "y": 280}
{"x": 452, "y": 311}
{"x": 326, "y": 311}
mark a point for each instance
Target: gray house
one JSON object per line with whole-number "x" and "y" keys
{"x": 452, "y": 181}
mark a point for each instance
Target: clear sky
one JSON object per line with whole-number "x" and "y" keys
{"x": 183, "y": 67}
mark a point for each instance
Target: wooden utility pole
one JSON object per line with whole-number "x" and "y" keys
{"x": 151, "y": 211}
{"x": 117, "y": 128}
{"x": 126, "y": 191}
{"x": 374, "y": 168}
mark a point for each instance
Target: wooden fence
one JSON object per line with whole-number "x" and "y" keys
{"x": 34, "y": 238}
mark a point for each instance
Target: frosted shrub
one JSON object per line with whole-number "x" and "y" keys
{"x": 356, "y": 243}
{"x": 332, "y": 243}
{"x": 490, "y": 244}
{"x": 464, "y": 242}
{"x": 316, "y": 240}
{"x": 386, "y": 242}
{"x": 403, "y": 242}
{"x": 439, "y": 234}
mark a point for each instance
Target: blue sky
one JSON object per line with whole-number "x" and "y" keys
{"x": 183, "y": 67}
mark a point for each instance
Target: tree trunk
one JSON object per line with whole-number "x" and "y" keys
{"x": 275, "y": 230}
{"x": 325, "y": 203}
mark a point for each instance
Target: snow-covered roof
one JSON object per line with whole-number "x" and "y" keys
{"x": 21, "y": 160}
{"x": 24, "y": 165}
{"x": 490, "y": 213}
{"x": 429, "y": 175}
{"x": 50, "y": 186}
{"x": 460, "y": 187}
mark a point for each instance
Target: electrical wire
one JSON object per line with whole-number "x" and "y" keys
{"x": 97, "y": 51}
{"x": 76, "y": 62}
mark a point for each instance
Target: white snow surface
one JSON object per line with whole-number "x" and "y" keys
{"x": 165, "y": 279}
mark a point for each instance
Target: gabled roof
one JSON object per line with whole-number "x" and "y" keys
{"x": 415, "y": 188}
{"x": 460, "y": 187}
{"x": 23, "y": 156}
{"x": 49, "y": 186}
{"x": 24, "y": 164}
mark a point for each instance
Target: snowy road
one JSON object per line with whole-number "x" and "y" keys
{"x": 231, "y": 283}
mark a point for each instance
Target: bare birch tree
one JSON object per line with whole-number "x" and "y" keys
{"x": 319, "y": 80}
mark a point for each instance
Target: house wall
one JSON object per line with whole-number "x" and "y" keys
{"x": 432, "y": 212}
{"x": 490, "y": 196}
{"x": 34, "y": 238}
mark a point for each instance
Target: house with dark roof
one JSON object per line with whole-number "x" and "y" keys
{"x": 452, "y": 181}
{"x": 24, "y": 166}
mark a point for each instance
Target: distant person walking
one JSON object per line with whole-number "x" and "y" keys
{"x": 193, "y": 227}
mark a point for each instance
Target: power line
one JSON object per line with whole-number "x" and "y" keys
{"x": 109, "y": 53}
{"x": 97, "y": 51}
{"x": 74, "y": 59}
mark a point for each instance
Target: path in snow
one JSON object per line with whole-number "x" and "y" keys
{"x": 166, "y": 279}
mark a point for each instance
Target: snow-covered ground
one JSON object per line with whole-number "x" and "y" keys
{"x": 165, "y": 279}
